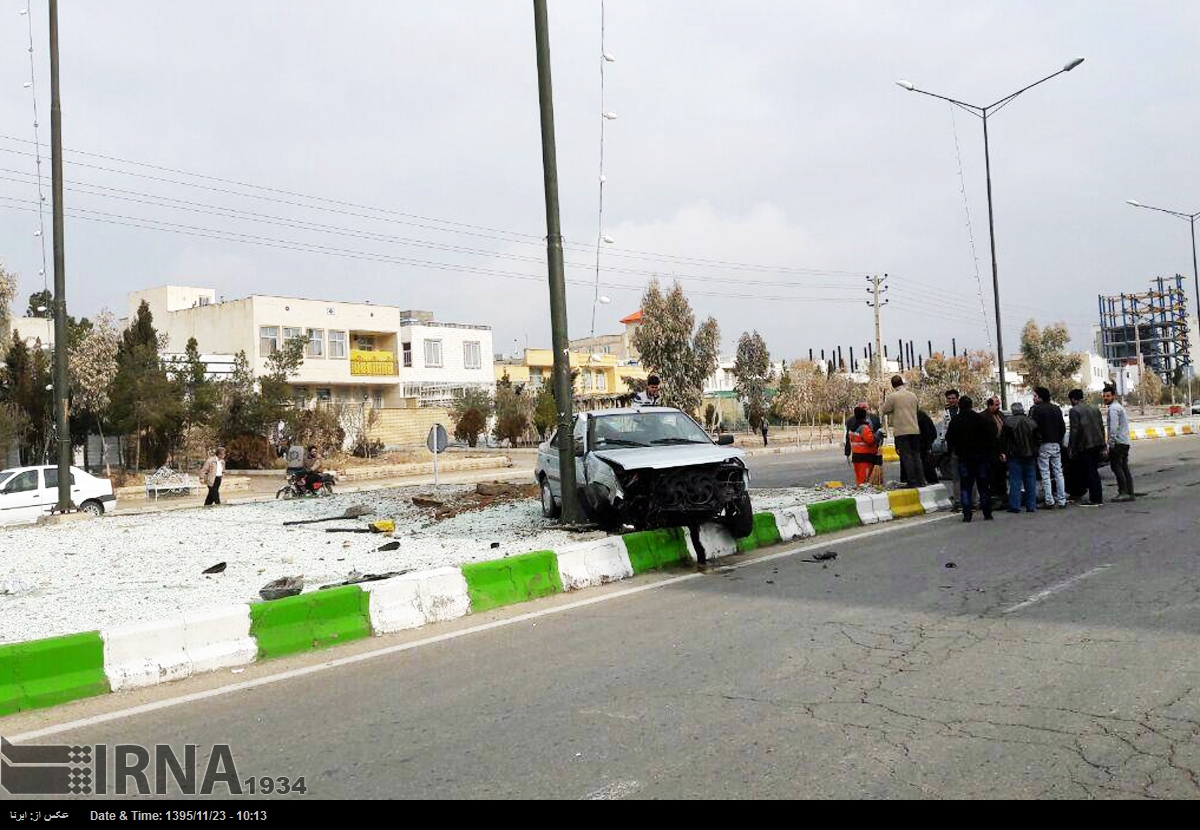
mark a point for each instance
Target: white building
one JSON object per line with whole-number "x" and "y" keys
{"x": 724, "y": 379}
{"x": 385, "y": 356}
{"x": 1094, "y": 373}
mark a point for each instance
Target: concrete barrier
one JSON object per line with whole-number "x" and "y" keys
{"x": 146, "y": 654}
{"x": 219, "y": 638}
{"x": 597, "y": 562}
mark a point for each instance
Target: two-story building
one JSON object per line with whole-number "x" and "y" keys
{"x": 384, "y": 356}
{"x": 599, "y": 378}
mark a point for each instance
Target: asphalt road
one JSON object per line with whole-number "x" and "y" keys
{"x": 804, "y": 469}
{"x": 1048, "y": 655}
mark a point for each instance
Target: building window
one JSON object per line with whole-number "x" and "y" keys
{"x": 377, "y": 399}
{"x": 337, "y": 344}
{"x": 471, "y": 355}
{"x": 602, "y": 381}
{"x": 300, "y": 396}
{"x": 316, "y": 343}
{"x": 268, "y": 340}
{"x": 325, "y": 395}
{"x": 406, "y": 348}
{"x": 433, "y": 353}
{"x": 290, "y": 334}
{"x": 364, "y": 343}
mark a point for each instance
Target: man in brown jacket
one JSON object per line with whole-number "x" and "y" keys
{"x": 211, "y": 474}
{"x": 902, "y": 407}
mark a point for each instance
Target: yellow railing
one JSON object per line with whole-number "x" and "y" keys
{"x": 373, "y": 363}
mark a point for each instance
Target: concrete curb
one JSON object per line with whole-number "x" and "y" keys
{"x": 43, "y": 673}
{"x": 1175, "y": 430}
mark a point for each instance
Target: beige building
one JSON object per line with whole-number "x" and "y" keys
{"x": 384, "y": 356}
{"x": 619, "y": 346}
{"x": 598, "y": 377}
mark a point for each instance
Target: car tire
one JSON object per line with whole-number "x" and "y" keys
{"x": 741, "y": 523}
{"x": 286, "y": 493}
{"x": 550, "y": 508}
{"x": 92, "y": 508}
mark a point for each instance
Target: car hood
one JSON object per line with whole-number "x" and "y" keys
{"x": 661, "y": 458}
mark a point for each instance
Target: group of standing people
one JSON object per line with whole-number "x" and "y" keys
{"x": 996, "y": 457}
{"x": 1021, "y": 447}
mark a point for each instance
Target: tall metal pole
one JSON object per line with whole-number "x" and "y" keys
{"x": 1196, "y": 277}
{"x": 987, "y": 163}
{"x": 62, "y": 424}
{"x": 563, "y": 390}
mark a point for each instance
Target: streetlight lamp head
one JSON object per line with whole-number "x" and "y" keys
{"x": 906, "y": 84}
{"x": 1133, "y": 202}
{"x": 604, "y": 300}
{"x": 1072, "y": 64}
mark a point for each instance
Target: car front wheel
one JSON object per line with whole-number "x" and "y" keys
{"x": 92, "y": 508}
{"x": 550, "y": 508}
{"x": 741, "y": 523}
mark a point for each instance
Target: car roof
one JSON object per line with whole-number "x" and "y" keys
{"x": 630, "y": 410}
{"x": 11, "y": 470}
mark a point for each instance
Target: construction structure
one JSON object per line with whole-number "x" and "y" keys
{"x": 1149, "y": 329}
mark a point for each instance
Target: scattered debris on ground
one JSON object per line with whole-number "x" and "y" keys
{"x": 353, "y": 512}
{"x": 825, "y": 556}
{"x": 287, "y": 586}
{"x": 951, "y": 565}
{"x": 355, "y": 578}
{"x": 388, "y": 547}
{"x": 218, "y": 568}
{"x": 14, "y": 586}
{"x": 482, "y": 497}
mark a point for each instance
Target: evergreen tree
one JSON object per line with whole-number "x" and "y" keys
{"x": 672, "y": 346}
{"x": 146, "y": 402}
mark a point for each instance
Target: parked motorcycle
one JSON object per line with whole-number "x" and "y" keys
{"x": 297, "y": 486}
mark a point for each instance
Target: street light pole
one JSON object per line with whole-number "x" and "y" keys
{"x": 62, "y": 424}
{"x": 563, "y": 388}
{"x": 983, "y": 112}
{"x": 1190, "y": 218}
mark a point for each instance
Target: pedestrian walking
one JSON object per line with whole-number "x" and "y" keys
{"x": 1086, "y": 443}
{"x": 863, "y": 443}
{"x": 1119, "y": 444}
{"x": 999, "y": 469}
{"x": 764, "y": 431}
{"x": 1020, "y": 441}
{"x": 902, "y": 405}
{"x": 211, "y": 474}
{"x": 1052, "y": 429}
{"x": 972, "y": 438}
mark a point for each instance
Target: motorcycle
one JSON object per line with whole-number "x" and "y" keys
{"x": 297, "y": 486}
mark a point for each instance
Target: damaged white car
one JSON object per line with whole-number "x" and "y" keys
{"x": 650, "y": 467}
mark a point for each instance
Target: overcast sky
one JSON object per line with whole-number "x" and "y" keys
{"x": 769, "y": 136}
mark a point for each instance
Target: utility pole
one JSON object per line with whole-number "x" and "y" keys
{"x": 62, "y": 425}
{"x": 877, "y": 290}
{"x": 563, "y": 389}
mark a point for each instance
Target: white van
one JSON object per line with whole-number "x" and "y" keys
{"x": 29, "y": 492}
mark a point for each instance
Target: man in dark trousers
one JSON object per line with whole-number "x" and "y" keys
{"x": 928, "y": 437}
{"x": 902, "y": 406}
{"x": 764, "y": 431}
{"x": 1019, "y": 442}
{"x": 973, "y": 439}
{"x": 1086, "y": 443}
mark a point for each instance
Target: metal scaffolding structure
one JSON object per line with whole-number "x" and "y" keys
{"x": 1153, "y": 324}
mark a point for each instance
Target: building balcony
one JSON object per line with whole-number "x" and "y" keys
{"x": 373, "y": 364}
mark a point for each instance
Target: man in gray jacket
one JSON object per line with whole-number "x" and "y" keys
{"x": 1118, "y": 444}
{"x": 902, "y": 406}
{"x": 1086, "y": 443}
{"x": 1019, "y": 443}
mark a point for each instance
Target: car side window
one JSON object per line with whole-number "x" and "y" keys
{"x": 51, "y": 474}
{"x": 22, "y": 482}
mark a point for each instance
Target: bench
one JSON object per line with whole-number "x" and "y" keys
{"x": 170, "y": 482}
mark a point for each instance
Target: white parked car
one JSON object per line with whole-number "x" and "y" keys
{"x": 29, "y": 492}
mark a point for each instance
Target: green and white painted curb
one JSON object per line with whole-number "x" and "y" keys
{"x": 43, "y": 673}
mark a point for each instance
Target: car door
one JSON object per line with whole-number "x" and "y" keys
{"x": 579, "y": 449}
{"x": 548, "y": 458}
{"x": 21, "y": 498}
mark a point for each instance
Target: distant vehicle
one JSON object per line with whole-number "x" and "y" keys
{"x": 650, "y": 467}
{"x": 1196, "y": 407}
{"x": 29, "y": 492}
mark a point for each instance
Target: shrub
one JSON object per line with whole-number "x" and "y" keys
{"x": 249, "y": 452}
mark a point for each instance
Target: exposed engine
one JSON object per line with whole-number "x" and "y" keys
{"x": 665, "y": 498}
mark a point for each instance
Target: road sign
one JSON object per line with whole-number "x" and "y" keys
{"x": 438, "y": 439}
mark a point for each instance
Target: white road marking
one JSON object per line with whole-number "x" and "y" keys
{"x": 1054, "y": 589}
{"x": 292, "y": 674}
{"x": 614, "y": 791}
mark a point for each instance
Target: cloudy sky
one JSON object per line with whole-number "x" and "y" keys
{"x": 762, "y": 154}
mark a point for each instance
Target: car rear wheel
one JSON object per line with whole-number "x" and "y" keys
{"x": 92, "y": 508}
{"x": 741, "y": 523}
{"x": 550, "y": 508}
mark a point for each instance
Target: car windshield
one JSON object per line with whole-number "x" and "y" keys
{"x": 646, "y": 429}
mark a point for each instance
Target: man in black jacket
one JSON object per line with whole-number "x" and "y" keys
{"x": 1086, "y": 443}
{"x": 1019, "y": 448}
{"x": 929, "y": 435}
{"x": 1052, "y": 429}
{"x": 972, "y": 439}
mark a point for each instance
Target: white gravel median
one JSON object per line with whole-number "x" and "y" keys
{"x": 136, "y": 568}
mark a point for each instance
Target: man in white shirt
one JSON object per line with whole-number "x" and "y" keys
{"x": 653, "y": 394}
{"x": 211, "y": 474}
